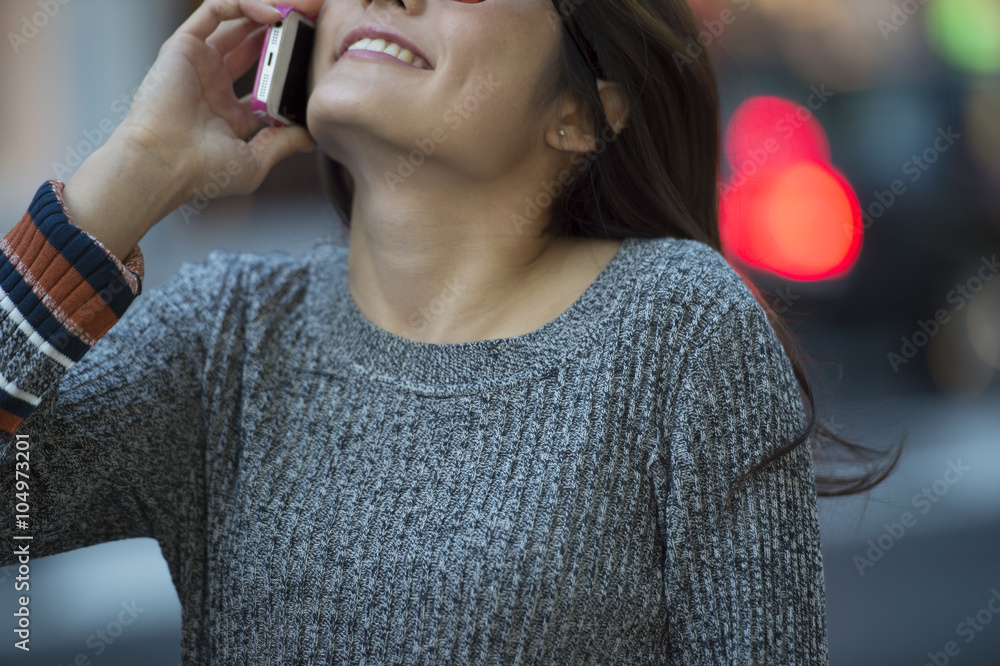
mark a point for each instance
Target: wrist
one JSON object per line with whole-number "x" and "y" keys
{"x": 150, "y": 169}
{"x": 120, "y": 192}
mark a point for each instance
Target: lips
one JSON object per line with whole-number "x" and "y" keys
{"x": 379, "y": 32}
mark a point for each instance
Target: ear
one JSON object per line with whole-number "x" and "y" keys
{"x": 615, "y": 107}
{"x": 580, "y": 136}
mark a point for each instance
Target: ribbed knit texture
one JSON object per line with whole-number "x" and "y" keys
{"x": 324, "y": 491}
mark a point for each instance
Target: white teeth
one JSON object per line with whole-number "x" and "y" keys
{"x": 390, "y": 48}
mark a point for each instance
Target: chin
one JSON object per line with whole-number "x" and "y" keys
{"x": 332, "y": 123}
{"x": 318, "y": 122}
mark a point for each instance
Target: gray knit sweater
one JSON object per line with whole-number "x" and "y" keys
{"x": 325, "y": 492}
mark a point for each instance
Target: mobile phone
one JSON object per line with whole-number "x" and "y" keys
{"x": 281, "y": 91}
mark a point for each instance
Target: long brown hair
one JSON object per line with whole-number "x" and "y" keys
{"x": 659, "y": 177}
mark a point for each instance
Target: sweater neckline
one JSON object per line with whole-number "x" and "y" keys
{"x": 435, "y": 369}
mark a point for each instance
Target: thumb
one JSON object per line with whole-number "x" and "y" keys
{"x": 274, "y": 144}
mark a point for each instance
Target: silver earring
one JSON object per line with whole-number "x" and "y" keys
{"x": 562, "y": 132}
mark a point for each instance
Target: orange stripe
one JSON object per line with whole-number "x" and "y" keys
{"x": 134, "y": 257}
{"x": 9, "y": 422}
{"x": 62, "y": 282}
{"x": 15, "y": 235}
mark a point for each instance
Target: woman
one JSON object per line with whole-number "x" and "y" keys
{"x": 531, "y": 415}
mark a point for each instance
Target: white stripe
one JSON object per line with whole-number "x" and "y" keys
{"x": 10, "y": 388}
{"x": 14, "y": 314}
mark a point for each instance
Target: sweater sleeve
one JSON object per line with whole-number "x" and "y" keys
{"x": 744, "y": 584}
{"x": 102, "y": 418}
{"x": 62, "y": 290}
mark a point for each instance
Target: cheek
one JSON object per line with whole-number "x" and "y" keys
{"x": 334, "y": 19}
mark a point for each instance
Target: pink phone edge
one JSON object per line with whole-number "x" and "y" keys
{"x": 257, "y": 104}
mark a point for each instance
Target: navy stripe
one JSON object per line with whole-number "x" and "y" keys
{"x": 80, "y": 251}
{"x": 39, "y": 317}
{"x": 46, "y": 188}
{"x": 15, "y": 406}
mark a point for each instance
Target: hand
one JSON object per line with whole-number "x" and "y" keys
{"x": 185, "y": 129}
{"x": 185, "y": 114}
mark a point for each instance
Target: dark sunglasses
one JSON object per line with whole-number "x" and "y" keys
{"x": 585, "y": 48}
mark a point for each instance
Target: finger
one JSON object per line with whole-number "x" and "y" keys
{"x": 242, "y": 119}
{"x": 232, "y": 34}
{"x": 307, "y": 7}
{"x": 203, "y": 22}
{"x": 272, "y": 144}
{"x": 246, "y": 55}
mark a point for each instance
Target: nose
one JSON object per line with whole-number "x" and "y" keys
{"x": 398, "y": 6}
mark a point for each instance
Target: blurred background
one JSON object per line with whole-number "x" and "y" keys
{"x": 861, "y": 194}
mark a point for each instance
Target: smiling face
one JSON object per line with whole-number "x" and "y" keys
{"x": 472, "y": 102}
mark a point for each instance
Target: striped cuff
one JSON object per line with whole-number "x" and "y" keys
{"x": 61, "y": 290}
